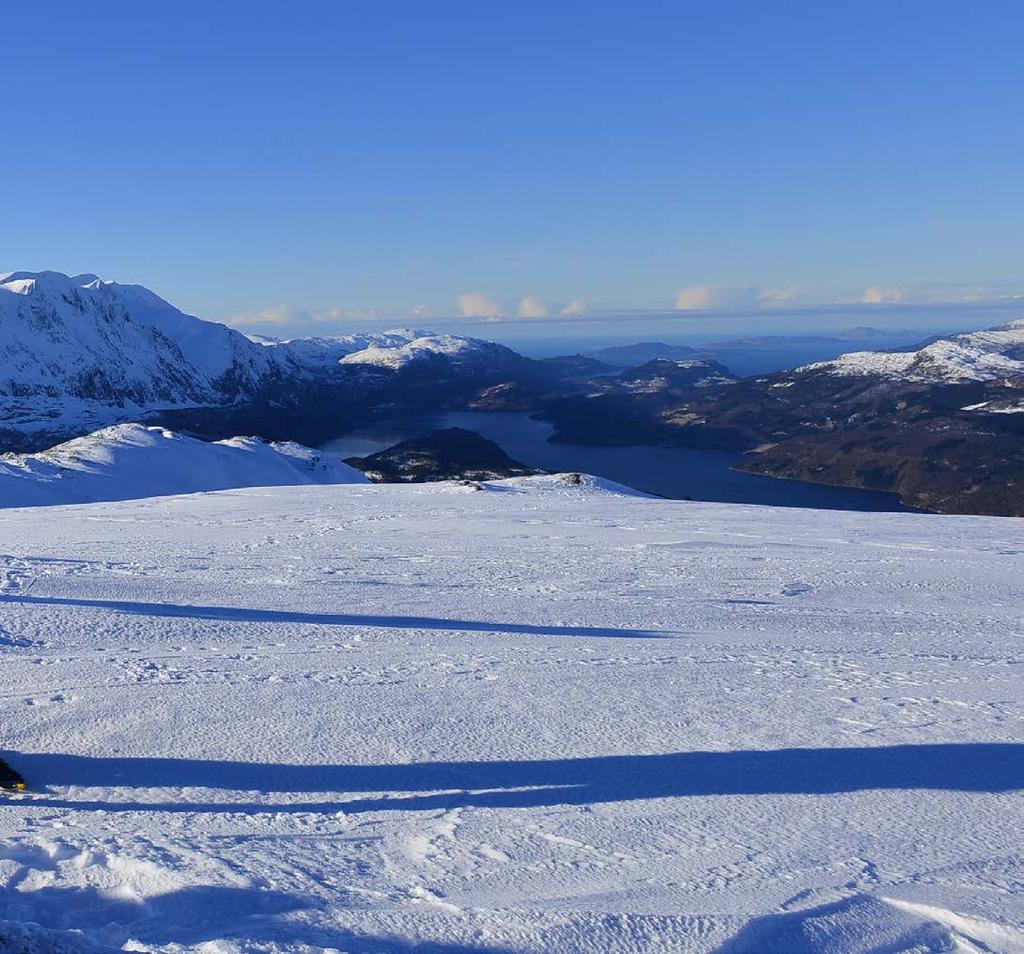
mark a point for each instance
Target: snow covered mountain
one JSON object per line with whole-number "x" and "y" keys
{"x": 78, "y": 353}
{"x": 542, "y": 718}
{"x": 85, "y": 338}
{"x": 976, "y": 356}
{"x": 941, "y": 424}
{"x": 82, "y": 338}
{"x": 457, "y": 353}
{"x": 326, "y": 351}
{"x": 129, "y": 461}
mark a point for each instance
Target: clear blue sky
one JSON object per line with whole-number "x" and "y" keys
{"x": 383, "y": 155}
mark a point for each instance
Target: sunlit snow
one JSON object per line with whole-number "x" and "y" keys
{"x": 544, "y": 716}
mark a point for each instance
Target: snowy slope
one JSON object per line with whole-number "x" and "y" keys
{"x": 536, "y": 718}
{"x": 80, "y": 337}
{"x": 976, "y": 356}
{"x": 78, "y": 353}
{"x": 129, "y": 461}
{"x": 223, "y": 355}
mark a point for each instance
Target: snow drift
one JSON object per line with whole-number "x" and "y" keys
{"x": 866, "y": 924}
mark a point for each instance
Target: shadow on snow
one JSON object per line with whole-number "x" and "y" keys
{"x": 968, "y": 767}
{"x": 195, "y": 914}
{"x": 244, "y": 615}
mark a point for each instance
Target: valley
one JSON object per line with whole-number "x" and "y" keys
{"x": 935, "y": 425}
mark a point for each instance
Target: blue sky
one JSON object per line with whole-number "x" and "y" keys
{"x": 316, "y": 165}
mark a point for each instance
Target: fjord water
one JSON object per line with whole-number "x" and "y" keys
{"x": 668, "y": 471}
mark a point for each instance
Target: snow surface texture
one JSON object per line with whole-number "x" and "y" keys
{"x": 541, "y": 717}
{"x": 130, "y": 461}
{"x": 976, "y": 356}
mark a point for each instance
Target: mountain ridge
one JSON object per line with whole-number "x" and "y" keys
{"x": 78, "y": 353}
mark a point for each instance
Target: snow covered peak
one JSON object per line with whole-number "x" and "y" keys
{"x": 25, "y": 283}
{"x": 461, "y": 351}
{"x": 864, "y": 363}
{"x": 48, "y": 282}
{"x": 975, "y": 356}
{"x": 84, "y": 338}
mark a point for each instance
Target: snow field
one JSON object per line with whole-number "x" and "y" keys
{"x": 541, "y": 717}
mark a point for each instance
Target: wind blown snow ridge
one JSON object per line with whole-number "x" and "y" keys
{"x": 129, "y": 461}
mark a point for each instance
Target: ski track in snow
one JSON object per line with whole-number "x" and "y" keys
{"x": 536, "y": 718}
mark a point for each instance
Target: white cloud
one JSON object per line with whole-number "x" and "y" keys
{"x": 349, "y": 314}
{"x": 781, "y": 298}
{"x": 879, "y": 295}
{"x": 277, "y": 315}
{"x": 951, "y": 294}
{"x": 691, "y": 302}
{"x": 293, "y": 315}
{"x": 712, "y": 297}
{"x": 532, "y": 307}
{"x": 480, "y": 305}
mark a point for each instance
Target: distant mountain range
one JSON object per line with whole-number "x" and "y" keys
{"x": 942, "y": 424}
{"x": 758, "y": 354}
{"x": 630, "y": 355}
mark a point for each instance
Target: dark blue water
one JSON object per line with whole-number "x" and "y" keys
{"x": 668, "y": 471}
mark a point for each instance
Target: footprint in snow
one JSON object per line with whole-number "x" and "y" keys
{"x": 54, "y": 700}
{"x": 797, "y": 589}
{"x": 9, "y": 640}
